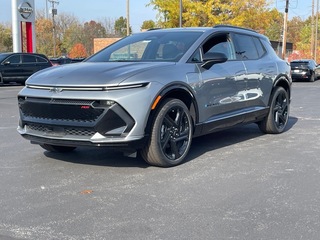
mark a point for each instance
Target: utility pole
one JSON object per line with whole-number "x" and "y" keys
{"x": 54, "y": 12}
{"x": 285, "y": 26}
{"x": 46, "y": 9}
{"x": 312, "y": 31}
{"x": 316, "y": 37}
{"x": 128, "y": 16}
{"x": 180, "y": 18}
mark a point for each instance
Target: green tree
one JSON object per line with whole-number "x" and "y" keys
{"x": 244, "y": 13}
{"x": 148, "y": 24}
{"x": 5, "y": 39}
{"x": 120, "y": 27}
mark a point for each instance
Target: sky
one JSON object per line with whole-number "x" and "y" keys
{"x": 86, "y": 10}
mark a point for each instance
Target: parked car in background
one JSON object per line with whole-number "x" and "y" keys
{"x": 65, "y": 60}
{"x": 154, "y": 91}
{"x": 305, "y": 69}
{"x": 17, "y": 67}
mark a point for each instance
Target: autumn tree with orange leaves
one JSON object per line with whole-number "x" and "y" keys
{"x": 78, "y": 51}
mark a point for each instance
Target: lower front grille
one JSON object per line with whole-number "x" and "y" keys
{"x": 79, "y": 118}
{"x": 44, "y": 129}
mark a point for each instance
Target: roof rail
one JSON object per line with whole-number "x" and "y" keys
{"x": 231, "y": 26}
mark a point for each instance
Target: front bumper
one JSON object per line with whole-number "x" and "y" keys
{"x": 75, "y": 122}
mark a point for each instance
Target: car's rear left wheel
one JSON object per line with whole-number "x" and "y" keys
{"x": 54, "y": 148}
{"x": 171, "y": 135}
{"x": 277, "y": 118}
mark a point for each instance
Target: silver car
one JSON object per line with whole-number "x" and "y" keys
{"x": 152, "y": 92}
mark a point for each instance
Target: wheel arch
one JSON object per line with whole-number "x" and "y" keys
{"x": 283, "y": 81}
{"x": 177, "y": 91}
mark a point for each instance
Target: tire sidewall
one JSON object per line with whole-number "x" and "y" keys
{"x": 277, "y": 92}
{"x": 156, "y": 130}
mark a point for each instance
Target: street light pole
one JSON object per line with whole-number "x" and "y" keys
{"x": 316, "y": 37}
{"x": 284, "y": 39}
{"x": 54, "y": 12}
{"x": 128, "y": 16}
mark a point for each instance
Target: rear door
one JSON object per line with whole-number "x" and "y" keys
{"x": 29, "y": 65}
{"x": 260, "y": 70}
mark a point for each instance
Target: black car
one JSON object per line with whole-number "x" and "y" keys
{"x": 154, "y": 91}
{"x": 65, "y": 60}
{"x": 17, "y": 67}
{"x": 305, "y": 69}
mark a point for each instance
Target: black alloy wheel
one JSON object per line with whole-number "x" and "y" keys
{"x": 278, "y": 116}
{"x": 171, "y": 135}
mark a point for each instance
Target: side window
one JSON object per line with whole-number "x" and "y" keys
{"x": 312, "y": 64}
{"x": 13, "y": 59}
{"x": 28, "y": 59}
{"x": 41, "y": 60}
{"x": 220, "y": 44}
{"x": 245, "y": 47}
{"x": 260, "y": 48}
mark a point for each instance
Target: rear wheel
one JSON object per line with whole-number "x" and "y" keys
{"x": 54, "y": 148}
{"x": 312, "y": 77}
{"x": 278, "y": 115}
{"x": 171, "y": 135}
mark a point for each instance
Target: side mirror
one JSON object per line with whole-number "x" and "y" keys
{"x": 212, "y": 58}
{"x": 7, "y": 63}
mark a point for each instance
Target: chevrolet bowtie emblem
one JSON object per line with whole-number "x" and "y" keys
{"x": 55, "y": 90}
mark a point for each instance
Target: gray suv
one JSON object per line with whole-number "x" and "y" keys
{"x": 152, "y": 92}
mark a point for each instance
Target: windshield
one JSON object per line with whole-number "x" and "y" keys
{"x": 299, "y": 64}
{"x": 149, "y": 46}
{"x": 3, "y": 56}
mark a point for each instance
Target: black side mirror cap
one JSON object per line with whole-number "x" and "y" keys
{"x": 212, "y": 58}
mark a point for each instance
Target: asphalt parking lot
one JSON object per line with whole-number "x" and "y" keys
{"x": 235, "y": 184}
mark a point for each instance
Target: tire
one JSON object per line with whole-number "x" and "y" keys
{"x": 171, "y": 135}
{"x": 53, "y": 148}
{"x": 277, "y": 118}
{"x": 312, "y": 77}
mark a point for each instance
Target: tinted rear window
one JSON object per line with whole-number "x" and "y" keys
{"x": 298, "y": 64}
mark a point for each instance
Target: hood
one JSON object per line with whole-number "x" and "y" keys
{"x": 93, "y": 73}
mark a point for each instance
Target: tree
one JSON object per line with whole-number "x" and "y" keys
{"x": 78, "y": 51}
{"x": 92, "y": 30}
{"x": 109, "y": 25}
{"x": 69, "y": 30}
{"x": 244, "y": 13}
{"x": 148, "y": 24}
{"x": 44, "y": 43}
{"x": 5, "y": 39}
{"x": 120, "y": 27}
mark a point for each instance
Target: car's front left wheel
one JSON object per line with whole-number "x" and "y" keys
{"x": 171, "y": 135}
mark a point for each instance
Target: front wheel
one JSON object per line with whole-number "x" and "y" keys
{"x": 171, "y": 135}
{"x": 277, "y": 118}
{"x": 54, "y": 148}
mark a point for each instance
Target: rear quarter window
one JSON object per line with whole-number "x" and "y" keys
{"x": 246, "y": 48}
